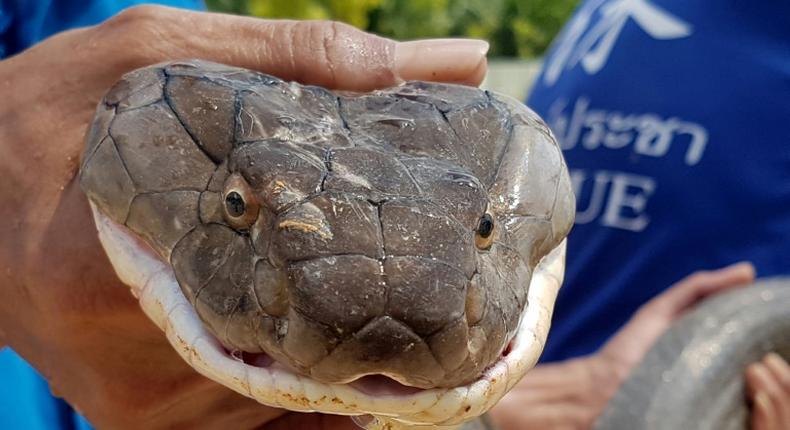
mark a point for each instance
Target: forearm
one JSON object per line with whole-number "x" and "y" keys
{"x": 564, "y": 395}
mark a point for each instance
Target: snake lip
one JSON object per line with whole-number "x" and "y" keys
{"x": 153, "y": 283}
{"x": 376, "y": 385}
{"x": 373, "y": 385}
{"x": 381, "y": 385}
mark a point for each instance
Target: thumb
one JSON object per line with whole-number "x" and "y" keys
{"x": 698, "y": 286}
{"x": 324, "y": 53}
{"x": 631, "y": 342}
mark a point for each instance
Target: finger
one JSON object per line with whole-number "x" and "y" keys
{"x": 780, "y": 370}
{"x": 630, "y": 344}
{"x": 763, "y": 415}
{"x": 315, "y": 52}
{"x": 765, "y": 388}
{"x": 700, "y": 285}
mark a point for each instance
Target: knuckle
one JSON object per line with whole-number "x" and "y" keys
{"x": 782, "y": 385}
{"x": 320, "y": 43}
{"x": 339, "y": 30}
{"x": 137, "y": 17}
{"x": 765, "y": 384}
{"x": 785, "y": 383}
{"x": 657, "y": 306}
{"x": 134, "y": 27}
{"x": 326, "y": 35}
{"x": 773, "y": 392}
{"x": 331, "y": 31}
{"x": 752, "y": 370}
{"x": 139, "y": 30}
{"x": 697, "y": 277}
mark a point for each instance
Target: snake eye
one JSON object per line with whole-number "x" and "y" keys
{"x": 241, "y": 206}
{"x": 484, "y": 236}
{"x": 234, "y": 204}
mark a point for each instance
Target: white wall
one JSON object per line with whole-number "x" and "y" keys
{"x": 511, "y": 77}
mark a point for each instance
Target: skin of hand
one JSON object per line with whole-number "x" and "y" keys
{"x": 61, "y": 306}
{"x": 571, "y": 394}
{"x": 768, "y": 390}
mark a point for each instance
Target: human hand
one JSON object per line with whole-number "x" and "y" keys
{"x": 629, "y": 345}
{"x": 61, "y": 305}
{"x": 768, "y": 389}
{"x": 573, "y": 393}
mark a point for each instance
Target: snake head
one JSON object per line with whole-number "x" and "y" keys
{"x": 391, "y": 233}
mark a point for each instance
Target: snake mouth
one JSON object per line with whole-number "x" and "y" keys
{"x": 258, "y": 376}
{"x": 375, "y": 385}
{"x": 372, "y": 385}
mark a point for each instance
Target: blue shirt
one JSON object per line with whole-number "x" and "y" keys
{"x": 25, "y": 22}
{"x": 674, "y": 118}
{"x": 25, "y": 399}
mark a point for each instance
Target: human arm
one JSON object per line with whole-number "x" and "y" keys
{"x": 61, "y": 305}
{"x": 571, "y": 394}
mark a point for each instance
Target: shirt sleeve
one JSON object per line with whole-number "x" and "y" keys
{"x": 25, "y": 399}
{"x": 30, "y": 21}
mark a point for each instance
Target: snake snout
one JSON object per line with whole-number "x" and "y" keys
{"x": 393, "y": 318}
{"x": 401, "y": 314}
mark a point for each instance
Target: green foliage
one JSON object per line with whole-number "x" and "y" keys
{"x": 302, "y": 9}
{"x": 238, "y": 7}
{"x": 354, "y": 12}
{"x": 536, "y": 22}
{"x": 521, "y": 28}
{"x": 412, "y": 19}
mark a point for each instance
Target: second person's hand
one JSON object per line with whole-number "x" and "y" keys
{"x": 571, "y": 394}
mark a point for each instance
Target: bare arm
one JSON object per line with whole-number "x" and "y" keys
{"x": 571, "y": 394}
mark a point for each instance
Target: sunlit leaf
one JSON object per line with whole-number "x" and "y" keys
{"x": 522, "y": 28}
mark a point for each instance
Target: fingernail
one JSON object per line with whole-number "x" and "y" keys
{"x": 779, "y": 367}
{"x": 744, "y": 264}
{"x": 440, "y": 59}
{"x": 746, "y": 268}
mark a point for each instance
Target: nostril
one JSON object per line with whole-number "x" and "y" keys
{"x": 382, "y": 385}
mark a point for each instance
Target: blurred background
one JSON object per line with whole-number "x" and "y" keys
{"x": 519, "y": 31}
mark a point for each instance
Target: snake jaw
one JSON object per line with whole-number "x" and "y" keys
{"x": 153, "y": 283}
